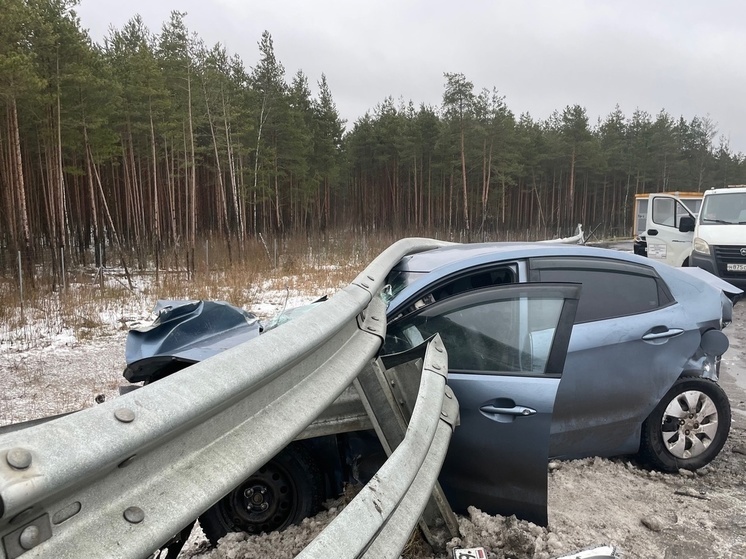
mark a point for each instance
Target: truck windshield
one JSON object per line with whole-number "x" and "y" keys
{"x": 727, "y": 208}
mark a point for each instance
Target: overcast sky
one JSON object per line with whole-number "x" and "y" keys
{"x": 685, "y": 56}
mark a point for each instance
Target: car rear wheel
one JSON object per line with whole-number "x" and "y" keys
{"x": 284, "y": 491}
{"x": 688, "y": 427}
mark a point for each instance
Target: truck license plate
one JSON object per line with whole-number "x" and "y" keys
{"x": 736, "y": 267}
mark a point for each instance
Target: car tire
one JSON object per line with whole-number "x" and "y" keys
{"x": 284, "y": 491}
{"x": 688, "y": 427}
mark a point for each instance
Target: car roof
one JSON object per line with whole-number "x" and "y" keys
{"x": 468, "y": 255}
{"x": 443, "y": 261}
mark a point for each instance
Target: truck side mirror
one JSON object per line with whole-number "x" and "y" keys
{"x": 686, "y": 224}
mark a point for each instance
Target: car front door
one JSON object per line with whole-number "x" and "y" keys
{"x": 506, "y": 350}
{"x": 665, "y": 241}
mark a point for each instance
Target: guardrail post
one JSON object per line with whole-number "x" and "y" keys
{"x": 388, "y": 390}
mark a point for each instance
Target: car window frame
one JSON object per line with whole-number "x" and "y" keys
{"x": 603, "y": 264}
{"x": 419, "y": 300}
{"x": 679, "y": 210}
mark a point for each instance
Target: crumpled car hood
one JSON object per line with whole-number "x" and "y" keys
{"x": 186, "y": 332}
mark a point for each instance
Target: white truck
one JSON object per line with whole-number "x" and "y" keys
{"x": 714, "y": 239}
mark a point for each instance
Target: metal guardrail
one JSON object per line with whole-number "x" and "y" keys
{"x": 379, "y": 520}
{"x": 120, "y": 479}
{"x": 389, "y": 389}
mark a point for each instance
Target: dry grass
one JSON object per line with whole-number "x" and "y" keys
{"x": 95, "y": 301}
{"x": 94, "y": 309}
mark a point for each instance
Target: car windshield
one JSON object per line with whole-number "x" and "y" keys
{"x": 727, "y": 208}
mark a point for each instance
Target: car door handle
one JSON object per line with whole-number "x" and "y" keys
{"x": 668, "y": 333}
{"x": 515, "y": 410}
{"x": 652, "y": 231}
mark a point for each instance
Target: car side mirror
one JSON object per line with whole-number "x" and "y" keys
{"x": 686, "y": 224}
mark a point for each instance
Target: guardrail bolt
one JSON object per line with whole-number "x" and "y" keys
{"x": 18, "y": 458}
{"x": 30, "y": 537}
{"x": 134, "y": 515}
{"x": 125, "y": 415}
{"x": 444, "y": 414}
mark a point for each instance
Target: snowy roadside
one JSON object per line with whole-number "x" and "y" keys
{"x": 592, "y": 501}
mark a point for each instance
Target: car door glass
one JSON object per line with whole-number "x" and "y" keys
{"x": 478, "y": 278}
{"x": 504, "y": 335}
{"x": 608, "y": 293}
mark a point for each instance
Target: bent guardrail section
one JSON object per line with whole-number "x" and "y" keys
{"x": 120, "y": 479}
{"x": 389, "y": 389}
{"x": 379, "y": 520}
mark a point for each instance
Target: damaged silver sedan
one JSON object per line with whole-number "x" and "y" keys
{"x": 640, "y": 372}
{"x": 553, "y": 350}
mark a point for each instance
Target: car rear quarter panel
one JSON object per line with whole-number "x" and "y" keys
{"x": 701, "y": 301}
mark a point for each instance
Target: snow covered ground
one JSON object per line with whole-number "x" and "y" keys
{"x": 591, "y": 502}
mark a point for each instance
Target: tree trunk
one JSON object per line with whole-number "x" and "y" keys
{"x": 92, "y": 196}
{"x": 25, "y": 233}
{"x": 466, "y": 194}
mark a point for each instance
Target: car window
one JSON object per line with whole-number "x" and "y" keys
{"x": 726, "y": 208}
{"x": 609, "y": 293}
{"x": 484, "y": 335}
{"x": 453, "y": 285}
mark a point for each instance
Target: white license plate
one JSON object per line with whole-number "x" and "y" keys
{"x": 470, "y": 553}
{"x": 736, "y": 267}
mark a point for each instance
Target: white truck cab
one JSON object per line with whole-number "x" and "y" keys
{"x": 714, "y": 240}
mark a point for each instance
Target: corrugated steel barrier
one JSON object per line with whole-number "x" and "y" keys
{"x": 378, "y": 522}
{"x": 120, "y": 479}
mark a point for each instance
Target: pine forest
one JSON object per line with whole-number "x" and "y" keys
{"x": 148, "y": 144}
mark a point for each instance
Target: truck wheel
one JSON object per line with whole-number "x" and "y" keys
{"x": 688, "y": 427}
{"x": 284, "y": 491}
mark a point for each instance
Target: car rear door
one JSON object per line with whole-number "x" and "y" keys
{"x": 506, "y": 350}
{"x": 630, "y": 343}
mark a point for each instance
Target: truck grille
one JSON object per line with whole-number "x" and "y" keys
{"x": 725, "y": 255}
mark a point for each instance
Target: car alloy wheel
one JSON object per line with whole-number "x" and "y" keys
{"x": 688, "y": 427}
{"x": 690, "y": 424}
